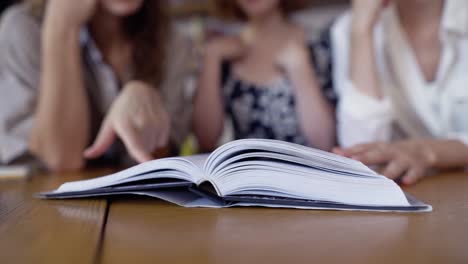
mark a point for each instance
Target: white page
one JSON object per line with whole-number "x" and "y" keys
{"x": 325, "y": 176}
{"x": 359, "y": 193}
{"x": 325, "y": 159}
{"x": 187, "y": 171}
{"x": 197, "y": 160}
{"x": 294, "y": 181}
{"x": 230, "y": 163}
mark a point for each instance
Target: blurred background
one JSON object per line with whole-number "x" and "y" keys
{"x": 5, "y": 3}
{"x": 196, "y": 19}
{"x": 197, "y": 22}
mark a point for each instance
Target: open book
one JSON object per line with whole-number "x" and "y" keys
{"x": 253, "y": 172}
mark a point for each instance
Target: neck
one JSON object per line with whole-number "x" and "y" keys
{"x": 415, "y": 14}
{"x": 268, "y": 24}
{"x": 107, "y": 30}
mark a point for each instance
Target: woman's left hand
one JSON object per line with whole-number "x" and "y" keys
{"x": 139, "y": 119}
{"x": 408, "y": 160}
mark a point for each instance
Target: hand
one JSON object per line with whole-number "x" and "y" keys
{"x": 365, "y": 13}
{"x": 70, "y": 13}
{"x": 138, "y": 118}
{"x": 227, "y": 48}
{"x": 408, "y": 160}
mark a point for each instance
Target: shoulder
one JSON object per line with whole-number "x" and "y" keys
{"x": 18, "y": 25}
{"x": 18, "y": 16}
{"x": 20, "y": 51}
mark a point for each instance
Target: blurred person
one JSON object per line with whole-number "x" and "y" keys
{"x": 268, "y": 79}
{"x": 400, "y": 69}
{"x": 77, "y": 72}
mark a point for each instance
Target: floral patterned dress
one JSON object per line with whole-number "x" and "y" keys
{"x": 270, "y": 111}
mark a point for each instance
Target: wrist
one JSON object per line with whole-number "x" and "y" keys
{"x": 138, "y": 87}
{"x": 212, "y": 50}
{"x": 57, "y": 21}
{"x": 137, "y": 92}
{"x": 59, "y": 33}
{"x": 429, "y": 152}
{"x": 58, "y": 42}
{"x": 213, "y": 56}
{"x": 141, "y": 87}
{"x": 362, "y": 29}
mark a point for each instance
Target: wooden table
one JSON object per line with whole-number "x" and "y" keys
{"x": 141, "y": 230}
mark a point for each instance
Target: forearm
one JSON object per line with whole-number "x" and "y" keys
{"x": 61, "y": 126}
{"x": 208, "y": 114}
{"x": 316, "y": 115}
{"x": 363, "y": 67}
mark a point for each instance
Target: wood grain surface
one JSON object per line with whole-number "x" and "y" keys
{"x": 40, "y": 231}
{"x": 145, "y": 230}
{"x": 150, "y": 231}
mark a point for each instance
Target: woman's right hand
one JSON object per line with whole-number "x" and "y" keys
{"x": 365, "y": 13}
{"x": 70, "y": 13}
{"x": 139, "y": 118}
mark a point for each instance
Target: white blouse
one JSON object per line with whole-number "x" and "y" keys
{"x": 417, "y": 108}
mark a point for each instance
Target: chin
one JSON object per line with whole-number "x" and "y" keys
{"x": 122, "y": 8}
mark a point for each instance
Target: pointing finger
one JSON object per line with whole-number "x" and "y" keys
{"x": 133, "y": 143}
{"x": 104, "y": 140}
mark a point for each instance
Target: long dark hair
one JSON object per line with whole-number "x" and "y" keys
{"x": 148, "y": 31}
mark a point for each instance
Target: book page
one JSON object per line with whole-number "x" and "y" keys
{"x": 321, "y": 159}
{"x": 268, "y": 167}
{"x": 176, "y": 168}
{"x": 198, "y": 160}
